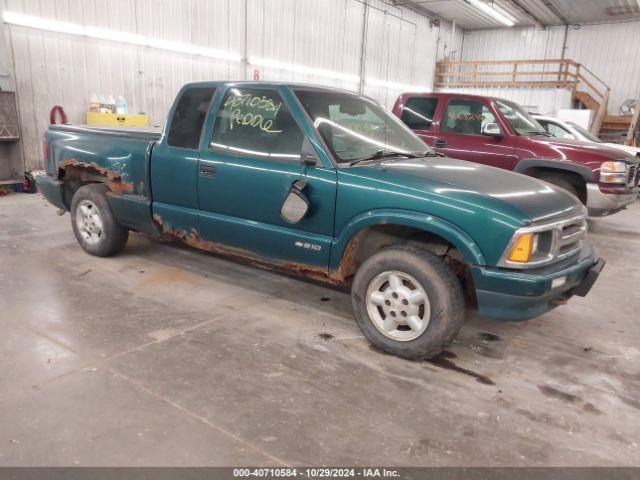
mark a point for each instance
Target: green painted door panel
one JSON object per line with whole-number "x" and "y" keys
{"x": 249, "y": 159}
{"x": 240, "y": 206}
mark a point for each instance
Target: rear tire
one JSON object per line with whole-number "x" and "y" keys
{"x": 408, "y": 302}
{"x": 94, "y": 224}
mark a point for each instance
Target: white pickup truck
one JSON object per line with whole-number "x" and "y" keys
{"x": 566, "y": 129}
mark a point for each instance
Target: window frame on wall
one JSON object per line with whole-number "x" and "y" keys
{"x": 443, "y": 122}
{"x": 214, "y": 147}
{"x": 214, "y": 91}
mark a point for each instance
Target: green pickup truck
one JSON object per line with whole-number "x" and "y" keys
{"x": 328, "y": 185}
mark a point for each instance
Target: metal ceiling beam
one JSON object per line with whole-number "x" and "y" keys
{"x": 556, "y": 12}
{"x": 417, "y": 7}
{"x": 528, "y": 13}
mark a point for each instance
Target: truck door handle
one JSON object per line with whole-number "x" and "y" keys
{"x": 207, "y": 170}
{"x": 439, "y": 143}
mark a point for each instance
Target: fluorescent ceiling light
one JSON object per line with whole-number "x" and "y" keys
{"x": 396, "y": 86}
{"x": 491, "y": 11}
{"x": 291, "y": 67}
{"x": 30, "y": 21}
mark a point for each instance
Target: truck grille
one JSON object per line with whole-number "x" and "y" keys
{"x": 570, "y": 237}
{"x": 632, "y": 177}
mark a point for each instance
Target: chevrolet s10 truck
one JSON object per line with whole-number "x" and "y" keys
{"x": 328, "y": 185}
{"x": 500, "y": 133}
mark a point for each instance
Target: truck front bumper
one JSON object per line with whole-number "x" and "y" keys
{"x": 600, "y": 203}
{"x": 52, "y": 189}
{"x": 516, "y": 295}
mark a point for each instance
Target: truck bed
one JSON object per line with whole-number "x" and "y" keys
{"x": 138, "y": 133}
{"x": 120, "y": 153}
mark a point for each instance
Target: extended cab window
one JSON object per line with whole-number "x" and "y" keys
{"x": 188, "y": 118}
{"x": 466, "y": 116}
{"x": 257, "y": 122}
{"x": 418, "y": 112}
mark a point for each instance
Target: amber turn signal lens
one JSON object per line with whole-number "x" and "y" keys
{"x": 521, "y": 251}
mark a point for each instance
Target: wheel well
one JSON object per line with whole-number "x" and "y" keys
{"x": 573, "y": 178}
{"x": 370, "y": 240}
{"x": 75, "y": 174}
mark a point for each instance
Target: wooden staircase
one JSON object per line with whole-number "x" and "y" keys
{"x": 613, "y": 128}
{"x": 588, "y": 90}
{"x": 586, "y": 100}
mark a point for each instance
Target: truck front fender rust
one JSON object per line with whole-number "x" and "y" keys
{"x": 344, "y": 250}
{"x": 193, "y": 239}
{"x": 93, "y": 172}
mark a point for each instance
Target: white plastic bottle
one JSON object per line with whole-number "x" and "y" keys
{"x": 94, "y": 103}
{"x": 103, "y": 104}
{"x": 111, "y": 104}
{"x": 121, "y": 107}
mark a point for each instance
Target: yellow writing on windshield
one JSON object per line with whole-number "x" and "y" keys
{"x": 250, "y": 110}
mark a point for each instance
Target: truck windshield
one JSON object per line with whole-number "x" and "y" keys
{"x": 520, "y": 120}
{"x": 585, "y": 133}
{"x": 357, "y": 129}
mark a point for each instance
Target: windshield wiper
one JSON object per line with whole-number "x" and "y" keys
{"x": 382, "y": 154}
{"x": 431, "y": 153}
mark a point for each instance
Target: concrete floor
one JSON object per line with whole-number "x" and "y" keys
{"x": 168, "y": 356}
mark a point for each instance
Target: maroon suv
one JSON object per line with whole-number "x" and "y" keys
{"x": 501, "y": 133}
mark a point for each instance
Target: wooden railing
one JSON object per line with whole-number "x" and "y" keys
{"x": 632, "y": 139}
{"x": 562, "y": 73}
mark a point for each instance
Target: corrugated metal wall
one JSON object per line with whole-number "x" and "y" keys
{"x": 55, "y": 68}
{"x": 612, "y": 52}
{"x": 512, "y": 44}
{"x": 5, "y": 60}
{"x": 609, "y": 50}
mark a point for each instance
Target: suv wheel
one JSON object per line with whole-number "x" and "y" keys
{"x": 408, "y": 302}
{"x": 94, "y": 225}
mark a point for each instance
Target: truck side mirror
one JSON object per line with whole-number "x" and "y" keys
{"x": 308, "y": 155}
{"x": 296, "y": 204}
{"x": 492, "y": 130}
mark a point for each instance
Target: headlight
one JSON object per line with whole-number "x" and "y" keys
{"x": 613, "y": 172}
{"x": 530, "y": 247}
{"x": 539, "y": 245}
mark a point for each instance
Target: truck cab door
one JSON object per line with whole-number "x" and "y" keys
{"x": 470, "y": 130}
{"x": 251, "y": 160}
{"x": 174, "y": 162}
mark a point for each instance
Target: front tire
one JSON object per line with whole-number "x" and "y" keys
{"x": 565, "y": 184}
{"x": 408, "y": 302}
{"x": 94, "y": 224}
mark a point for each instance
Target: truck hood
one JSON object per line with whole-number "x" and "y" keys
{"x": 537, "y": 200}
{"x": 568, "y": 148}
{"x": 625, "y": 148}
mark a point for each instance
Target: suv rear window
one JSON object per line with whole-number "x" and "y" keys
{"x": 188, "y": 118}
{"x": 418, "y": 112}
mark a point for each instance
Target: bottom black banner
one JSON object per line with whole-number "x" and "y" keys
{"x": 281, "y": 473}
